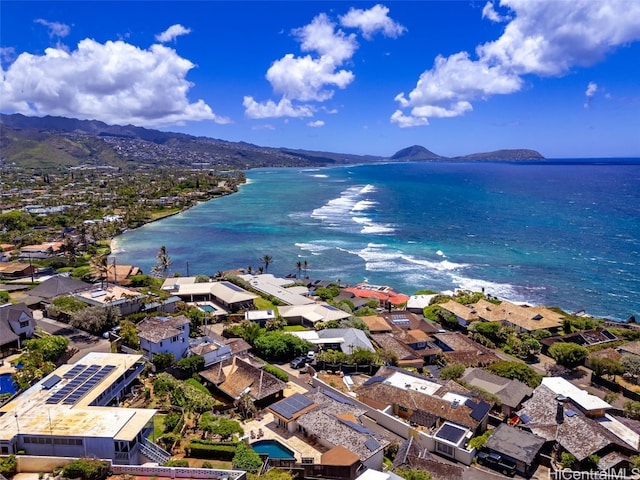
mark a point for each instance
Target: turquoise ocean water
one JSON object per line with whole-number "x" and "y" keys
{"x": 563, "y": 233}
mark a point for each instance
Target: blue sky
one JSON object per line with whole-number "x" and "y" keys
{"x": 558, "y": 76}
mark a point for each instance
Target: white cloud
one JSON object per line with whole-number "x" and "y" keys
{"x": 371, "y": 21}
{"x": 56, "y": 29}
{"x": 320, "y": 36}
{"x": 316, "y": 124}
{"x": 114, "y": 82}
{"x": 592, "y": 88}
{"x": 544, "y": 38}
{"x": 271, "y": 109}
{"x": 316, "y": 76}
{"x": 404, "y": 121}
{"x": 172, "y": 33}
{"x": 490, "y": 13}
{"x": 306, "y": 78}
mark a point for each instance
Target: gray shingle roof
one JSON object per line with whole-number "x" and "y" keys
{"x": 515, "y": 443}
{"x": 509, "y": 392}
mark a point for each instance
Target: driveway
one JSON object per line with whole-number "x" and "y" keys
{"x": 78, "y": 339}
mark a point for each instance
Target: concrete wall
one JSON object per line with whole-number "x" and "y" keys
{"x": 36, "y": 464}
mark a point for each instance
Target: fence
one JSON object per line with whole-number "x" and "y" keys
{"x": 615, "y": 387}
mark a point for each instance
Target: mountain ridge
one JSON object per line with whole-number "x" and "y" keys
{"x": 61, "y": 141}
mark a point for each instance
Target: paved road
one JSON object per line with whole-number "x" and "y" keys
{"x": 82, "y": 341}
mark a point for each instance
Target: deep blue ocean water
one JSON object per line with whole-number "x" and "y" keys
{"x": 563, "y": 233}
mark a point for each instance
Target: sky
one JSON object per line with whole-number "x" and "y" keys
{"x": 457, "y": 77}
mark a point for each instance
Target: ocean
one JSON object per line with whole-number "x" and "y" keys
{"x": 557, "y": 233}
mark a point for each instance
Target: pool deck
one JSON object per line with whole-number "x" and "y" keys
{"x": 300, "y": 445}
{"x": 6, "y": 366}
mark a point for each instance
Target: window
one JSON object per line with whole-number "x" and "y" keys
{"x": 24, "y": 324}
{"x": 444, "y": 448}
{"x": 174, "y": 338}
{"x": 403, "y": 409}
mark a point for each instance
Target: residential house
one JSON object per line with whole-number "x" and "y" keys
{"x": 224, "y": 293}
{"x": 286, "y": 290}
{"x": 572, "y": 420}
{"x": 417, "y": 303}
{"x": 260, "y": 316}
{"x": 57, "y": 286}
{"x": 465, "y": 314}
{"x": 164, "y": 335}
{"x": 407, "y": 357}
{"x": 40, "y": 251}
{"x": 67, "y": 414}
{"x": 237, "y": 376}
{"x": 405, "y": 320}
{"x": 632, "y": 348}
{"x": 16, "y": 325}
{"x": 13, "y": 270}
{"x": 332, "y": 421}
{"x": 510, "y": 393}
{"x": 127, "y": 300}
{"x": 121, "y": 274}
{"x": 412, "y": 455}
{"x": 310, "y": 314}
{"x": 342, "y": 339}
{"x": 524, "y": 319}
{"x": 385, "y": 295}
{"x": 211, "y": 349}
{"x": 376, "y": 324}
{"x": 517, "y": 445}
{"x": 458, "y": 348}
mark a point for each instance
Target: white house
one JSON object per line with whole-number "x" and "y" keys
{"x": 164, "y": 335}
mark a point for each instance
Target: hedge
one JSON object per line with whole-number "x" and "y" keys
{"x": 213, "y": 452}
{"x": 276, "y": 372}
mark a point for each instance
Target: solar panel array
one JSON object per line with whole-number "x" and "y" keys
{"x": 74, "y": 371}
{"x": 337, "y": 397}
{"x": 289, "y": 406}
{"x": 84, "y": 379}
{"x": 400, "y": 320}
{"x": 233, "y": 287}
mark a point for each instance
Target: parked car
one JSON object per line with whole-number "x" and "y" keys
{"x": 298, "y": 362}
{"x": 311, "y": 356}
{"x": 497, "y": 462}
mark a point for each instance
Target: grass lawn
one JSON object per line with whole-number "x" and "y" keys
{"x": 158, "y": 426}
{"x": 295, "y": 328}
{"x": 264, "y": 304}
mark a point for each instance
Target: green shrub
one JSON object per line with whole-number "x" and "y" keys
{"x": 246, "y": 459}
{"x": 8, "y": 466}
{"x": 181, "y": 462}
{"x": 224, "y": 452}
{"x": 276, "y": 372}
{"x": 87, "y": 469}
{"x": 4, "y": 296}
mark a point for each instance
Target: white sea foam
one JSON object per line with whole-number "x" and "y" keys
{"x": 363, "y": 205}
{"x": 314, "y": 247}
{"x": 377, "y": 229}
{"x": 320, "y": 175}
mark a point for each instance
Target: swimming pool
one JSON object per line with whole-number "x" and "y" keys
{"x": 207, "y": 308}
{"x": 273, "y": 449}
{"x": 7, "y": 385}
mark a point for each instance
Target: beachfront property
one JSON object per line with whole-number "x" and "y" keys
{"x": 164, "y": 335}
{"x": 67, "y": 414}
{"x": 310, "y": 314}
{"x": 226, "y": 294}
{"x": 284, "y": 289}
{"x": 385, "y": 295}
{"x": 16, "y": 325}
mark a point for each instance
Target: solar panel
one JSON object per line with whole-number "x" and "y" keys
{"x": 375, "y": 379}
{"x": 82, "y": 390}
{"x": 478, "y": 410}
{"x": 569, "y": 413}
{"x": 450, "y": 433}
{"x": 525, "y": 418}
{"x": 357, "y": 427}
{"x": 337, "y": 397}
{"x": 291, "y": 405}
{"x": 331, "y": 307}
{"x": 372, "y": 444}
{"x": 79, "y": 385}
{"x": 233, "y": 287}
{"x": 74, "y": 371}
{"x": 50, "y": 382}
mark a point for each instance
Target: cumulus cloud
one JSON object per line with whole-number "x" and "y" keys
{"x": 56, "y": 29}
{"x": 371, "y": 21}
{"x": 490, "y": 13}
{"x": 270, "y": 109}
{"x": 114, "y": 82}
{"x": 544, "y": 38}
{"x": 316, "y": 124}
{"x": 315, "y": 76}
{"x": 592, "y": 88}
{"x": 171, "y": 33}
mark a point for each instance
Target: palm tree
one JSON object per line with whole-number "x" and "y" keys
{"x": 99, "y": 268}
{"x": 305, "y": 264}
{"x": 267, "y": 259}
{"x": 299, "y": 266}
{"x": 161, "y": 268}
